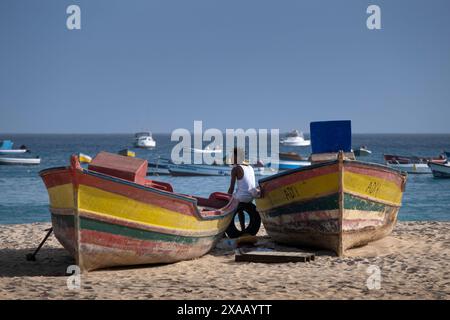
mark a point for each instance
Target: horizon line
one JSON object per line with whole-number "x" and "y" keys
{"x": 168, "y": 133}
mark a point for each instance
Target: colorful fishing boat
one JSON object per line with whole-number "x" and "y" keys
{"x": 110, "y": 215}
{"x": 440, "y": 170}
{"x": 336, "y": 204}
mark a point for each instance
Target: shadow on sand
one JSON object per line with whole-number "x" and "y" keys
{"x": 49, "y": 262}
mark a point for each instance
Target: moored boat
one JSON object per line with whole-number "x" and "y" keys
{"x": 412, "y": 168}
{"x": 440, "y": 170}
{"x": 412, "y": 159}
{"x": 110, "y": 215}
{"x": 207, "y": 150}
{"x": 362, "y": 152}
{"x": 289, "y": 164}
{"x": 335, "y": 205}
{"x": 6, "y": 147}
{"x": 19, "y": 161}
{"x": 144, "y": 140}
{"x": 295, "y": 139}
{"x": 209, "y": 170}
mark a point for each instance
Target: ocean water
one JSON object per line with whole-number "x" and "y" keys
{"x": 23, "y": 197}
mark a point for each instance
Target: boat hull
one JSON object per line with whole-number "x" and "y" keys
{"x": 20, "y": 161}
{"x": 411, "y": 168}
{"x": 13, "y": 151}
{"x": 289, "y": 164}
{"x": 103, "y": 221}
{"x": 336, "y": 205}
{"x": 440, "y": 170}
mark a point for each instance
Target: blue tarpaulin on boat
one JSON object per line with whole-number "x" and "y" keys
{"x": 331, "y": 136}
{"x": 6, "y": 145}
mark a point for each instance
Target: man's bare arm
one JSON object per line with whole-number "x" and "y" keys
{"x": 233, "y": 181}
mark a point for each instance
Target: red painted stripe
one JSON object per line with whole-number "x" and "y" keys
{"x": 298, "y": 176}
{"x": 138, "y": 194}
{"x": 56, "y": 177}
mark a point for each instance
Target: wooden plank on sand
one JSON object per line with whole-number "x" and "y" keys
{"x": 272, "y": 256}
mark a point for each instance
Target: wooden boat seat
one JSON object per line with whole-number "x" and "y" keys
{"x": 127, "y": 168}
{"x": 215, "y": 201}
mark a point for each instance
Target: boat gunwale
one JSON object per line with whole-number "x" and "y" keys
{"x": 190, "y": 199}
{"x": 327, "y": 163}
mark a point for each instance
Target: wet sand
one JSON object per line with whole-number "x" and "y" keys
{"x": 413, "y": 264}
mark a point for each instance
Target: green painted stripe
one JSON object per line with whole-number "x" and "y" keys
{"x": 330, "y": 202}
{"x": 63, "y": 220}
{"x": 354, "y": 203}
{"x": 115, "y": 229}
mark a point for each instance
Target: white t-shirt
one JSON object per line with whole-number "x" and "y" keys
{"x": 244, "y": 185}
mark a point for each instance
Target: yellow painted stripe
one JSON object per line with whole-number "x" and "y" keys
{"x": 61, "y": 196}
{"x": 311, "y": 188}
{"x": 373, "y": 187}
{"x": 109, "y": 204}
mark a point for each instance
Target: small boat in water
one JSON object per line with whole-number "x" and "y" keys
{"x": 6, "y": 147}
{"x": 440, "y": 170}
{"x": 293, "y": 156}
{"x": 287, "y": 164}
{"x": 335, "y": 204}
{"x": 19, "y": 161}
{"x": 362, "y": 152}
{"x": 210, "y": 170}
{"x": 111, "y": 215}
{"x": 412, "y": 168}
{"x": 160, "y": 167}
{"x": 295, "y": 139}
{"x": 144, "y": 140}
{"x": 413, "y": 159}
{"x": 207, "y": 150}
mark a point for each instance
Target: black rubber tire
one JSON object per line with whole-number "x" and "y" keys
{"x": 252, "y": 228}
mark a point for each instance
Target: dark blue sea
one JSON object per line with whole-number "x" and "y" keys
{"x": 23, "y": 197}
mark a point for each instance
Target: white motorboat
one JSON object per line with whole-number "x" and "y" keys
{"x": 295, "y": 139}
{"x": 19, "y": 161}
{"x": 440, "y": 170}
{"x": 144, "y": 140}
{"x": 211, "y": 170}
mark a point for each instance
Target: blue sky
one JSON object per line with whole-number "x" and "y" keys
{"x": 160, "y": 65}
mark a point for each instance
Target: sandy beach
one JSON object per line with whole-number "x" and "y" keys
{"x": 413, "y": 264}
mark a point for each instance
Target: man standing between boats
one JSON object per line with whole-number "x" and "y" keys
{"x": 243, "y": 176}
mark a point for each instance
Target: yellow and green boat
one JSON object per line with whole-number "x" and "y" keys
{"x": 334, "y": 205}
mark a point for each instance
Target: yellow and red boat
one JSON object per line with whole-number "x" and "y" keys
{"x": 333, "y": 205}
{"x": 110, "y": 215}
